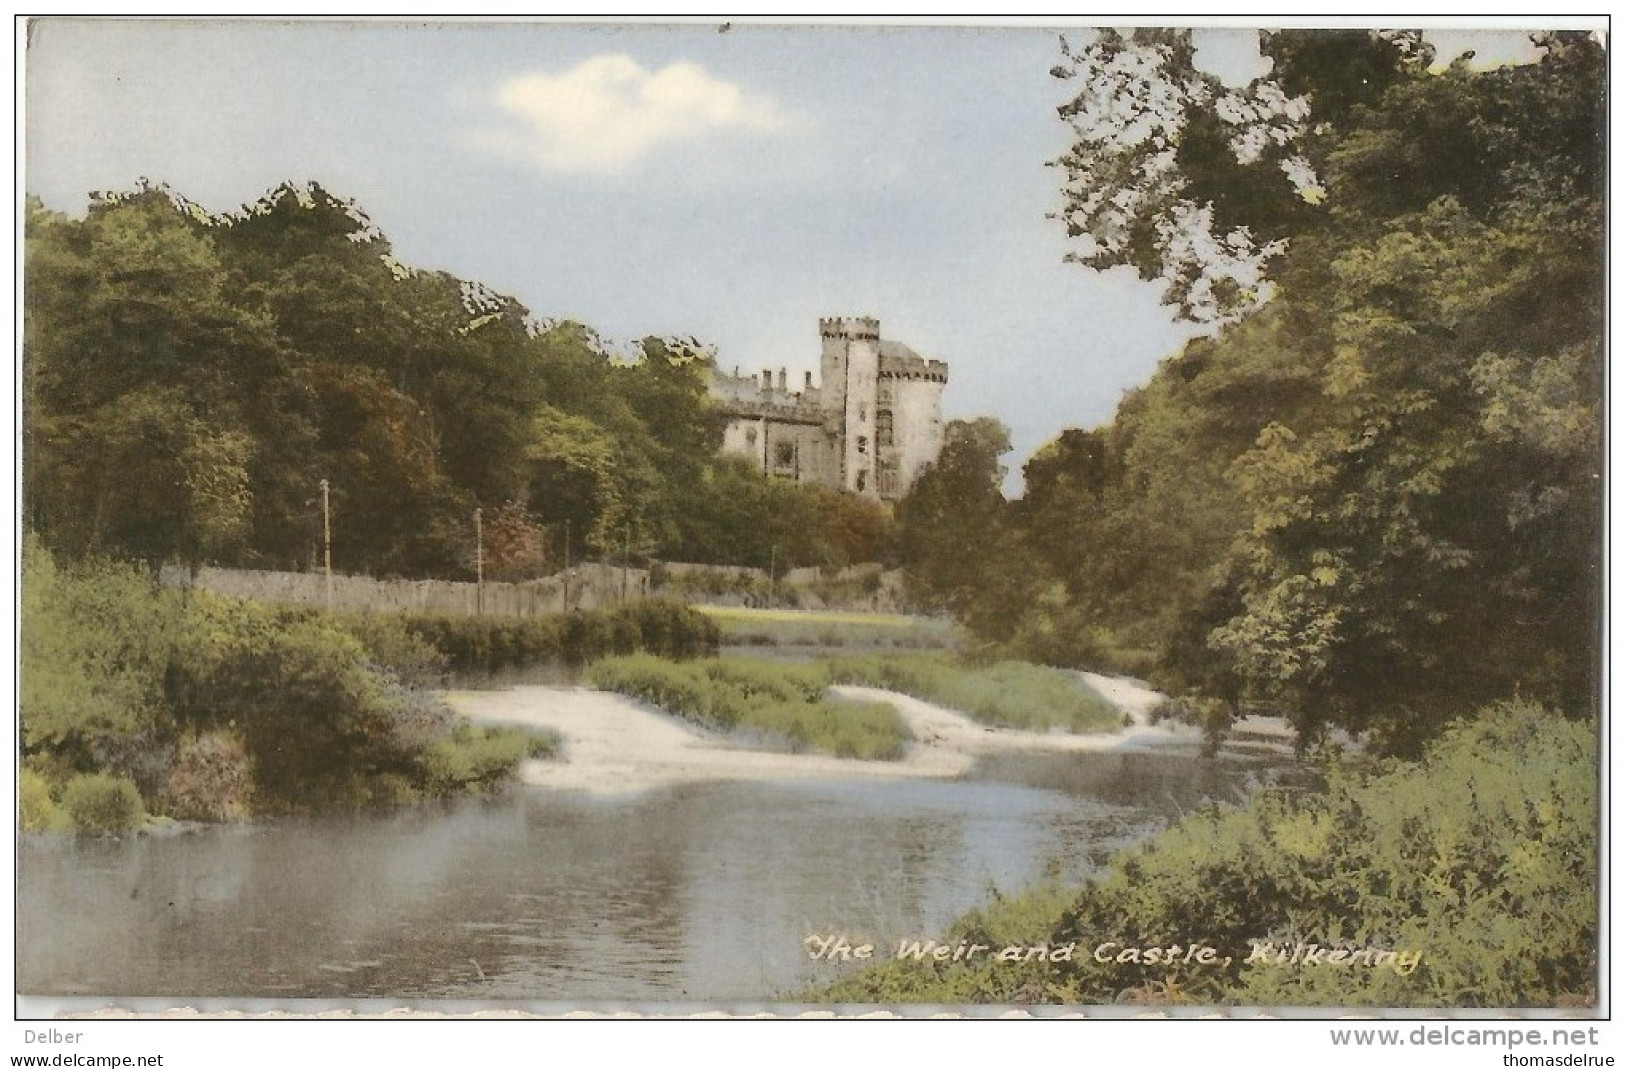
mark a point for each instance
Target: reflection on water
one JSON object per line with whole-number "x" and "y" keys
{"x": 700, "y": 893}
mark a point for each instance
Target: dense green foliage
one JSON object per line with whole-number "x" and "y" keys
{"x": 1375, "y": 499}
{"x": 139, "y": 698}
{"x": 1481, "y": 857}
{"x": 782, "y": 702}
{"x": 489, "y": 644}
{"x": 1007, "y": 694}
{"x": 190, "y": 379}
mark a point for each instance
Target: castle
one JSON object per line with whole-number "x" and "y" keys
{"x": 871, "y": 426}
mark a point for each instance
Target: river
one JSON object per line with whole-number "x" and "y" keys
{"x": 696, "y": 893}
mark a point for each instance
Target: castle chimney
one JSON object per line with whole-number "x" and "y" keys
{"x": 783, "y": 382}
{"x": 767, "y": 378}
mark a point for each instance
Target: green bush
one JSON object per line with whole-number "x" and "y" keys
{"x": 683, "y": 690}
{"x": 36, "y": 809}
{"x": 782, "y": 682}
{"x": 99, "y": 803}
{"x": 215, "y": 709}
{"x": 211, "y": 779}
{"x": 1009, "y": 694}
{"x": 390, "y": 644}
{"x": 780, "y": 702}
{"x": 488, "y": 644}
{"x": 1066, "y": 638}
{"x": 1482, "y": 857}
{"x": 543, "y": 744}
{"x": 474, "y": 759}
{"x": 316, "y": 720}
{"x": 96, "y": 643}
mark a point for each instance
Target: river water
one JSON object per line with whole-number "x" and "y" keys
{"x": 695, "y": 894}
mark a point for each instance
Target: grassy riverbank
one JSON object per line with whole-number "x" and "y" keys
{"x": 790, "y": 702}
{"x": 1476, "y": 865}
{"x": 1005, "y": 694}
{"x": 783, "y": 703}
{"x": 826, "y": 629}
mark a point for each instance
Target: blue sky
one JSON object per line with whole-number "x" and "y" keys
{"x": 656, "y": 179}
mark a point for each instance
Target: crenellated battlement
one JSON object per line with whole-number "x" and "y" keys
{"x": 862, "y": 328}
{"x": 913, "y": 368}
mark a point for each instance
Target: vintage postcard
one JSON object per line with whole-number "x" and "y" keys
{"x": 749, "y": 518}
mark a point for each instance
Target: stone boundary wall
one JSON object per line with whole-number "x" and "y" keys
{"x": 860, "y": 588}
{"x": 589, "y": 586}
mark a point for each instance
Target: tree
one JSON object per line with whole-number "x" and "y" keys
{"x": 1432, "y": 543}
{"x": 958, "y": 546}
{"x": 1178, "y": 177}
{"x": 1411, "y": 424}
{"x": 138, "y": 376}
{"x": 515, "y": 546}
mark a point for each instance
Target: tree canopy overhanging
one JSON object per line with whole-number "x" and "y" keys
{"x": 1373, "y": 497}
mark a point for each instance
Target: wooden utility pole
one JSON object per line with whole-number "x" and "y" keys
{"x": 327, "y": 549}
{"x": 479, "y": 564}
{"x": 566, "y": 565}
{"x": 772, "y": 567}
{"x": 626, "y": 561}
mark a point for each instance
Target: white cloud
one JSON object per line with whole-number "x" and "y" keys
{"x": 604, "y": 114}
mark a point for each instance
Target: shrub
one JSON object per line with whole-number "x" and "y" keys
{"x": 488, "y": 644}
{"x": 98, "y": 803}
{"x": 215, "y": 706}
{"x": 473, "y": 758}
{"x": 95, "y": 644}
{"x": 36, "y": 809}
{"x": 320, "y": 725}
{"x": 542, "y": 744}
{"x": 389, "y": 643}
{"x": 781, "y": 702}
{"x": 298, "y": 690}
{"x": 1009, "y": 694}
{"x": 211, "y": 779}
{"x": 683, "y": 690}
{"x": 1212, "y": 715}
{"x": 1482, "y": 857}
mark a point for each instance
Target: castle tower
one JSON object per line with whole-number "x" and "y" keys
{"x": 909, "y": 428}
{"x": 850, "y": 365}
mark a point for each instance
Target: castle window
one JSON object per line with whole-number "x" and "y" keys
{"x": 863, "y": 444}
{"x": 863, "y": 481}
{"x": 784, "y": 454}
{"x": 750, "y": 435}
{"x": 863, "y": 413}
{"x": 883, "y": 427}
